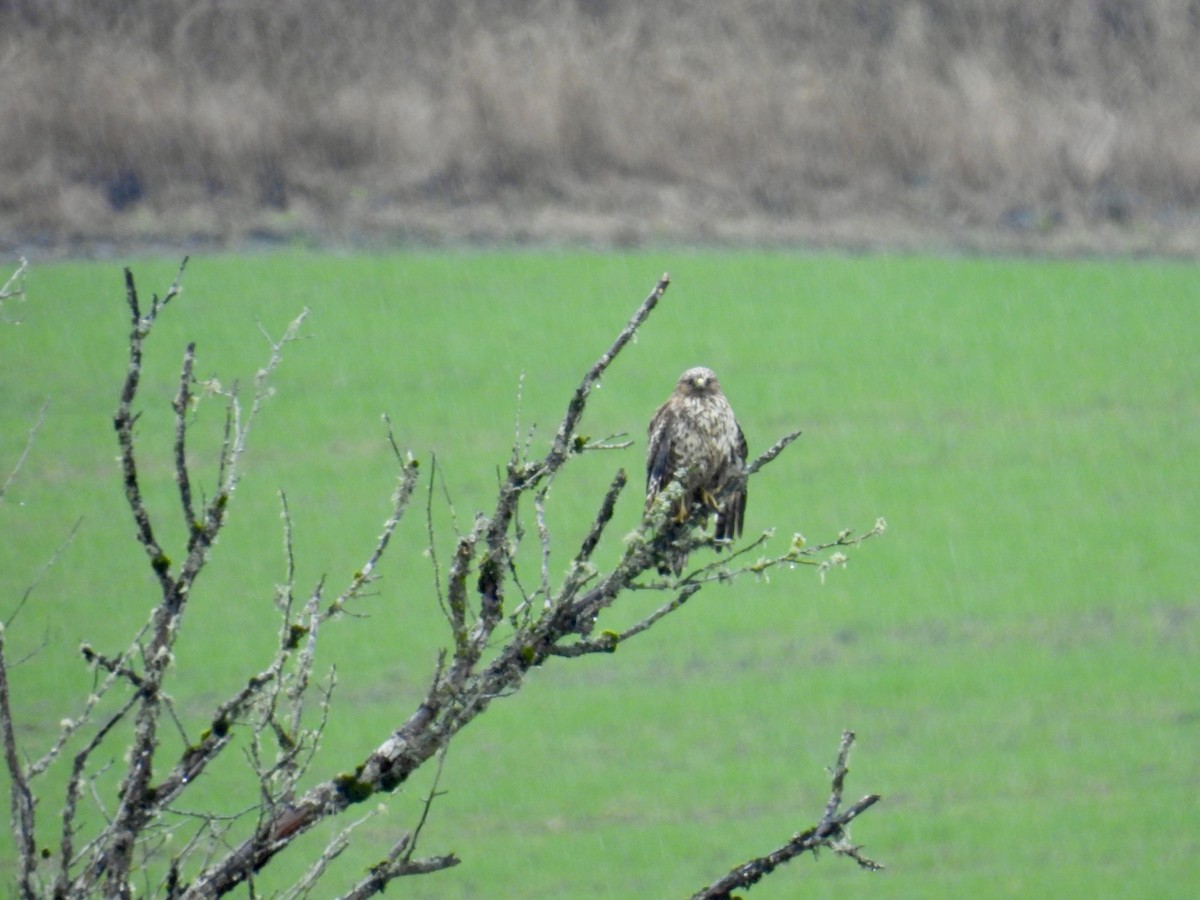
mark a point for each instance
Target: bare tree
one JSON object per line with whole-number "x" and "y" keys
{"x": 498, "y": 628}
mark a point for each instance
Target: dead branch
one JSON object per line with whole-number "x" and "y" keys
{"x": 14, "y": 287}
{"x": 487, "y": 655}
{"x": 137, "y": 806}
{"x": 470, "y": 682}
{"x": 22, "y": 798}
{"x": 830, "y": 832}
{"x": 12, "y": 474}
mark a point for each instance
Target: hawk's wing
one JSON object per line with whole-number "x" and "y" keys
{"x": 660, "y": 453}
{"x": 733, "y": 512}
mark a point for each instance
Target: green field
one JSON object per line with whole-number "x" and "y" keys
{"x": 1014, "y": 653}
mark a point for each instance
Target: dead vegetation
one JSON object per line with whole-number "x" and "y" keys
{"x": 1012, "y": 123}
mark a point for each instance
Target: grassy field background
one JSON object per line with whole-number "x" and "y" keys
{"x": 1017, "y": 654}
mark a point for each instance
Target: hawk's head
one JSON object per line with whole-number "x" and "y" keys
{"x": 698, "y": 382}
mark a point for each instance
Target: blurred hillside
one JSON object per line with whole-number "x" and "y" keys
{"x": 988, "y": 124}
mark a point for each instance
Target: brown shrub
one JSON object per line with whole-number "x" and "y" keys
{"x": 992, "y": 112}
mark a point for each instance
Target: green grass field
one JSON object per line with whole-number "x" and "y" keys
{"x": 1017, "y": 654}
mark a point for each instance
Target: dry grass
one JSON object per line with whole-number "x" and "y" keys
{"x": 1012, "y": 121}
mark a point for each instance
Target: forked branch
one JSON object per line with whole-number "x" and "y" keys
{"x": 831, "y": 832}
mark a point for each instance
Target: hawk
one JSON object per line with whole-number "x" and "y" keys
{"x": 695, "y": 438}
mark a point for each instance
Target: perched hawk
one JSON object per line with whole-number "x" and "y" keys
{"x": 695, "y": 437}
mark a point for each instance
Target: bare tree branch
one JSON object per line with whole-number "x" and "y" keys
{"x": 461, "y": 691}
{"x": 137, "y": 807}
{"x": 14, "y": 287}
{"x": 118, "y": 670}
{"x": 426, "y": 806}
{"x": 400, "y": 501}
{"x": 41, "y": 573}
{"x": 125, "y": 419}
{"x": 831, "y": 832}
{"x": 22, "y": 800}
{"x": 771, "y": 452}
{"x": 564, "y": 440}
{"x": 397, "y": 865}
{"x": 337, "y": 845}
{"x": 399, "y": 861}
{"x": 194, "y": 527}
{"x": 281, "y": 711}
{"x": 37, "y": 425}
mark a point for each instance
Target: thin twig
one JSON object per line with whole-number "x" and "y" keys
{"x": 182, "y": 477}
{"x": 603, "y": 517}
{"x": 29, "y": 439}
{"x": 391, "y": 868}
{"x": 431, "y": 547}
{"x": 114, "y": 666}
{"x": 41, "y": 572}
{"x": 433, "y": 794}
{"x": 66, "y": 850}
{"x": 285, "y": 593}
{"x": 22, "y": 802}
{"x": 337, "y": 845}
{"x": 539, "y": 510}
{"x": 400, "y": 500}
{"x": 566, "y": 431}
{"x": 771, "y": 452}
{"x": 399, "y": 861}
{"x": 124, "y": 422}
{"x": 117, "y": 672}
{"x": 15, "y": 285}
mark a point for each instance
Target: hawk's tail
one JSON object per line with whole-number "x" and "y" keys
{"x": 729, "y": 519}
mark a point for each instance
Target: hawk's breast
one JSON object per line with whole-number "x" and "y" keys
{"x": 706, "y": 436}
